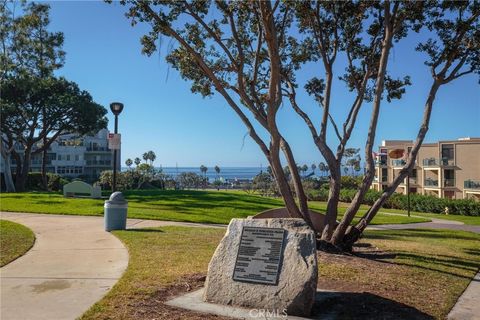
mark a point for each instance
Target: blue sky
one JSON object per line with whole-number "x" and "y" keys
{"x": 161, "y": 114}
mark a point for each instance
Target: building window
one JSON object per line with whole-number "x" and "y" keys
{"x": 449, "y": 176}
{"x": 59, "y": 157}
{"x": 77, "y": 157}
{"x": 448, "y": 151}
{"x": 68, "y": 157}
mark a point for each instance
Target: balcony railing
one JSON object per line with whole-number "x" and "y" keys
{"x": 398, "y": 163}
{"x": 380, "y": 162}
{"x": 449, "y": 182}
{"x": 99, "y": 162}
{"x": 429, "y": 182}
{"x": 97, "y": 149}
{"x": 435, "y": 162}
{"x": 413, "y": 180}
{"x": 471, "y": 184}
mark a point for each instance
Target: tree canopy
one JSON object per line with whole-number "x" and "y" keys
{"x": 36, "y": 106}
{"x": 251, "y": 54}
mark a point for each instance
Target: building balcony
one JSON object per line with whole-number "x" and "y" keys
{"x": 99, "y": 162}
{"x": 449, "y": 182}
{"x": 471, "y": 184}
{"x": 98, "y": 149}
{"x": 429, "y": 182}
{"x": 398, "y": 163}
{"x": 435, "y": 162}
{"x": 380, "y": 163}
{"x": 64, "y": 163}
{"x": 413, "y": 181}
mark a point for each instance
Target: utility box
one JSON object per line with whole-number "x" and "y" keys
{"x": 115, "y": 212}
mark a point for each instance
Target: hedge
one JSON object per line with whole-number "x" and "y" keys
{"x": 54, "y": 182}
{"x": 418, "y": 202}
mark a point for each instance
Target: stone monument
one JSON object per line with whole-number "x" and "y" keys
{"x": 268, "y": 264}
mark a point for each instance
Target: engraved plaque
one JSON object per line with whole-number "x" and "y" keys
{"x": 259, "y": 255}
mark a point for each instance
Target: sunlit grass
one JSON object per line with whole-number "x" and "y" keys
{"x": 184, "y": 205}
{"x": 15, "y": 240}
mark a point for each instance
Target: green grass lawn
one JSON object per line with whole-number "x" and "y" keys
{"x": 15, "y": 240}
{"x": 425, "y": 270}
{"x": 185, "y": 205}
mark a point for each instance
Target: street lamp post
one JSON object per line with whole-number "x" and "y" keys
{"x": 116, "y": 108}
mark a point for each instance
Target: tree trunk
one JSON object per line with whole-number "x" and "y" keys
{"x": 354, "y": 233}
{"x": 44, "y": 164}
{"x": 297, "y": 182}
{"x": 21, "y": 179}
{"x": 370, "y": 170}
{"x": 332, "y": 204}
{"x": 7, "y": 174}
{"x": 282, "y": 183}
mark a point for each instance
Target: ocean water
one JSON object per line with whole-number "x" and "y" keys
{"x": 225, "y": 173}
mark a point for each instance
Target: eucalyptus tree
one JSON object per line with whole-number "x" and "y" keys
{"x": 251, "y": 53}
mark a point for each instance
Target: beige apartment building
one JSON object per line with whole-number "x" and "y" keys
{"x": 446, "y": 169}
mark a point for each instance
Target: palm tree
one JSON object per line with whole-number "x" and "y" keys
{"x": 129, "y": 163}
{"x": 313, "y": 166}
{"x": 151, "y": 156}
{"x": 322, "y": 167}
{"x": 304, "y": 169}
{"x": 217, "y": 170}
{"x": 145, "y": 156}
{"x": 204, "y": 170}
{"x": 137, "y": 161}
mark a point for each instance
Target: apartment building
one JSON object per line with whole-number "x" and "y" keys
{"x": 75, "y": 156}
{"x": 445, "y": 169}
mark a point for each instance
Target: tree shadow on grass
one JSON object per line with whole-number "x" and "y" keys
{"x": 146, "y": 230}
{"x": 362, "y": 305}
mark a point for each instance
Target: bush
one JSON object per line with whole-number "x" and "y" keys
{"x": 34, "y": 182}
{"x": 418, "y": 202}
{"x": 349, "y": 182}
{"x": 55, "y": 182}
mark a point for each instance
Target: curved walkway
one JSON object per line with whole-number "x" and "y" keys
{"x": 434, "y": 224}
{"x": 72, "y": 264}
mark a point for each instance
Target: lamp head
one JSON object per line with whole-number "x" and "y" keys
{"x": 116, "y": 108}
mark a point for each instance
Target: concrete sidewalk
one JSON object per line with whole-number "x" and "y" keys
{"x": 72, "y": 265}
{"x": 468, "y": 306}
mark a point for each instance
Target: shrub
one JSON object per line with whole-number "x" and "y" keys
{"x": 34, "y": 181}
{"x": 55, "y": 182}
{"x": 418, "y": 202}
{"x": 348, "y": 182}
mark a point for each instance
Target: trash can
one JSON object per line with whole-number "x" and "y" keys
{"x": 115, "y": 212}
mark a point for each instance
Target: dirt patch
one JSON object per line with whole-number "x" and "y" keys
{"x": 366, "y": 286}
{"x": 363, "y": 285}
{"x": 154, "y": 307}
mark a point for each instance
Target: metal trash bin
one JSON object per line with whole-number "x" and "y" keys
{"x": 115, "y": 212}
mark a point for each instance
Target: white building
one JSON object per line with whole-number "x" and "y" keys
{"x": 74, "y": 156}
